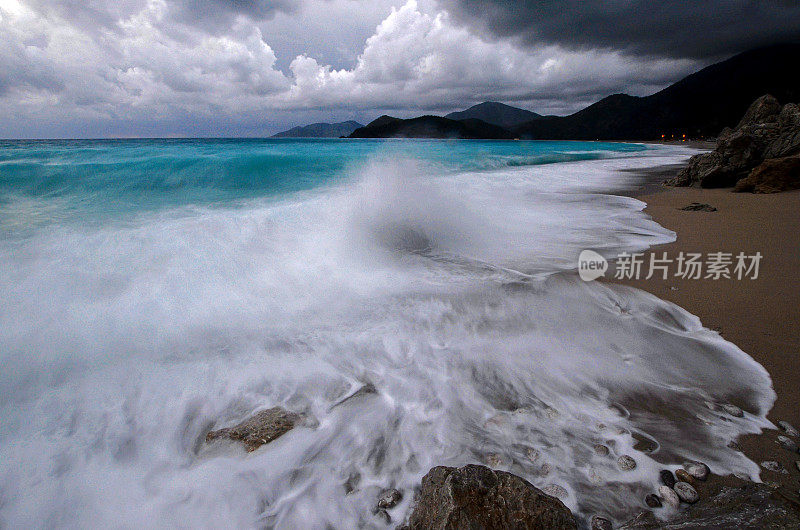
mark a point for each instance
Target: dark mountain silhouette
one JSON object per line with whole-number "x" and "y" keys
{"x": 320, "y": 130}
{"x": 701, "y": 104}
{"x": 495, "y": 113}
{"x": 430, "y": 127}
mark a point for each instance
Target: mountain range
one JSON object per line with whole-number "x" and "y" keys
{"x": 495, "y": 113}
{"x": 320, "y": 130}
{"x": 700, "y": 105}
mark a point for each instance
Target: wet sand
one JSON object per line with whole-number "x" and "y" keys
{"x": 761, "y": 316}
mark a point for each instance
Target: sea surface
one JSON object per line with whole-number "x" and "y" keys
{"x": 151, "y": 290}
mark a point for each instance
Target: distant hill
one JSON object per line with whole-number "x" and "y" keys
{"x": 495, "y": 113}
{"x": 701, "y": 104}
{"x": 320, "y": 130}
{"x": 430, "y": 127}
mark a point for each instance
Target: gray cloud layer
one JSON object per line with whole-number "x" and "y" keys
{"x": 667, "y": 28}
{"x": 226, "y": 67}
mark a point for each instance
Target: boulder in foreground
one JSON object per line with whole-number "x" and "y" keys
{"x": 261, "y": 428}
{"x": 478, "y": 497}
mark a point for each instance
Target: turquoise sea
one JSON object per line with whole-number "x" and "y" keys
{"x": 154, "y": 289}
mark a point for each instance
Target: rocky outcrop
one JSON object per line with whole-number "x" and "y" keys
{"x": 748, "y": 506}
{"x": 478, "y": 497}
{"x": 260, "y": 428}
{"x": 766, "y": 131}
{"x": 773, "y": 175}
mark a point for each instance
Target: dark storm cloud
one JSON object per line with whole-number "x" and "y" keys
{"x": 202, "y": 14}
{"x": 212, "y": 14}
{"x": 695, "y": 29}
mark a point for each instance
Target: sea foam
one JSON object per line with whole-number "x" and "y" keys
{"x": 453, "y": 293}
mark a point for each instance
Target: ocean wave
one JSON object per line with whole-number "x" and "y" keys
{"x": 452, "y": 292}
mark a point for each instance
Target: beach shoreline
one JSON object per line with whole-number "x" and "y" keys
{"x": 758, "y": 315}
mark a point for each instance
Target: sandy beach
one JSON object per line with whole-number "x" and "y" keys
{"x": 758, "y": 315}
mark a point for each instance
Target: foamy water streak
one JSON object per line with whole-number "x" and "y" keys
{"x": 124, "y": 341}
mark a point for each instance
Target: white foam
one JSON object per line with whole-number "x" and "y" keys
{"x": 122, "y": 344}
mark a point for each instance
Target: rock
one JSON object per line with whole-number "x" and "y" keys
{"x": 787, "y": 443}
{"x": 698, "y": 207}
{"x": 389, "y": 498}
{"x": 382, "y": 515}
{"x": 733, "y": 410}
{"x": 626, "y": 463}
{"x": 669, "y": 496}
{"x": 351, "y": 483}
{"x": 797, "y": 464}
{"x": 260, "y": 429}
{"x": 772, "y": 176}
{"x": 600, "y": 449}
{"x": 365, "y": 390}
{"x": 751, "y": 506}
{"x": 698, "y": 168}
{"x": 667, "y": 478}
{"x": 494, "y": 460}
{"x": 554, "y": 490}
{"x": 763, "y": 110}
{"x": 735, "y": 446}
{"x": 788, "y": 140}
{"x": 532, "y": 454}
{"x": 652, "y": 501}
{"x": 686, "y": 492}
{"x": 601, "y": 523}
{"x": 683, "y": 475}
{"x": 697, "y": 470}
{"x": 788, "y": 428}
{"x": 478, "y": 497}
{"x": 736, "y": 156}
{"x": 644, "y": 444}
{"x": 774, "y": 466}
{"x": 765, "y": 132}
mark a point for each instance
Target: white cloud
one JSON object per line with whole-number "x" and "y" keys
{"x": 147, "y": 74}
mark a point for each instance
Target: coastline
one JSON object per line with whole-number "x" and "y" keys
{"x": 758, "y": 315}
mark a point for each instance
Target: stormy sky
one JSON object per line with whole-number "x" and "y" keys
{"x": 109, "y": 68}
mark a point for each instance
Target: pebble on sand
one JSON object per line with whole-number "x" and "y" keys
{"x": 652, "y": 501}
{"x": 601, "y": 450}
{"x": 788, "y": 428}
{"x": 669, "y": 496}
{"x": 683, "y": 476}
{"x": 697, "y": 470}
{"x": 626, "y": 463}
{"x": 389, "y": 498}
{"x": 494, "y": 460}
{"x": 733, "y": 410}
{"x": 772, "y": 465}
{"x": 601, "y": 523}
{"x": 686, "y": 492}
{"x": 554, "y": 490}
{"x": 788, "y": 444}
{"x": 667, "y": 478}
